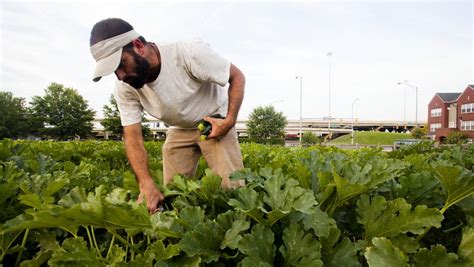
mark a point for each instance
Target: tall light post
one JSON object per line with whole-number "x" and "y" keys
{"x": 352, "y": 124}
{"x": 404, "y": 101}
{"x": 301, "y": 106}
{"x": 406, "y": 83}
{"x": 329, "y": 54}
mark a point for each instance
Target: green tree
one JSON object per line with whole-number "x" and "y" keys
{"x": 146, "y": 131}
{"x": 112, "y": 121}
{"x": 64, "y": 112}
{"x": 309, "y": 139}
{"x": 418, "y": 133}
{"x": 13, "y": 116}
{"x": 266, "y": 125}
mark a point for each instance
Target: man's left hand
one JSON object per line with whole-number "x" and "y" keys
{"x": 220, "y": 127}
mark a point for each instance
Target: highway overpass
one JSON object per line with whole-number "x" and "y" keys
{"x": 319, "y": 126}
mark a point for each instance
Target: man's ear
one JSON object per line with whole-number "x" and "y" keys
{"x": 138, "y": 47}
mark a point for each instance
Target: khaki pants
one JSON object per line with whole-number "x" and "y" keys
{"x": 182, "y": 150}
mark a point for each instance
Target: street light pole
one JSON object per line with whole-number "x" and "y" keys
{"x": 416, "y": 113}
{"x": 404, "y": 101}
{"x": 301, "y": 106}
{"x": 352, "y": 124}
{"x": 416, "y": 106}
{"x": 329, "y": 54}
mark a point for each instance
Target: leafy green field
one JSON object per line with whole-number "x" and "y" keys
{"x": 370, "y": 138}
{"x": 73, "y": 204}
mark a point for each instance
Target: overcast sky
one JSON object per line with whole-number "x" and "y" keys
{"x": 375, "y": 45}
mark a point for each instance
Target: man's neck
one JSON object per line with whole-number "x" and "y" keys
{"x": 155, "y": 62}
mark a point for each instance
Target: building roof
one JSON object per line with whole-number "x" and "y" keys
{"x": 449, "y": 97}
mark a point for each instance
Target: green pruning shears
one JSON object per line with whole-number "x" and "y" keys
{"x": 205, "y": 127}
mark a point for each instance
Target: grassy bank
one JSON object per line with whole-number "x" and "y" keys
{"x": 370, "y": 138}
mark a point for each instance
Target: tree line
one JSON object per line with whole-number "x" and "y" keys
{"x": 63, "y": 114}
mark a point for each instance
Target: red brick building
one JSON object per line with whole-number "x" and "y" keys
{"x": 449, "y": 112}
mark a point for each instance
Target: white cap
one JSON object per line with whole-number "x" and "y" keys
{"x": 107, "y": 53}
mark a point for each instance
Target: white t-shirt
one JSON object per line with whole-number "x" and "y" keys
{"x": 191, "y": 85}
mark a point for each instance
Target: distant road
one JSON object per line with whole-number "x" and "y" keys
{"x": 316, "y": 125}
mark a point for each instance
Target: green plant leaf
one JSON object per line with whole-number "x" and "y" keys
{"x": 436, "y": 257}
{"x": 254, "y": 262}
{"x": 203, "y": 241}
{"x": 210, "y": 184}
{"x": 466, "y": 248}
{"x": 117, "y": 255}
{"x": 300, "y": 248}
{"x": 384, "y": 254}
{"x": 54, "y": 186}
{"x": 158, "y": 251}
{"x": 189, "y": 217}
{"x": 383, "y": 218}
{"x": 248, "y": 202}
{"x": 74, "y": 252}
{"x": 233, "y": 235}
{"x": 258, "y": 246}
{"x": 343, "y": 254}
{"x": 284, "y": 194}
{"x": 346, "y": 190}
{"x": 182, "y": 261}
{"x": 407, "y": 244}
{"x": 164, "y": 225}
{"x": 280, "y": 197}
{"x": 458, "y": 184}
{"x": 317, "y": 220}
{"x": 276, "y": 192}
{"x": 417, "y": 186}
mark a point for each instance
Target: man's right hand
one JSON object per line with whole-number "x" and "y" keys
{"x": 150, "y": 192}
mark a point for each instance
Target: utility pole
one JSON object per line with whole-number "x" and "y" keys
{"x": 352, "y": 124}
{"x": 406, "y": 83}
{"x": 301, "y": 107}
{"x": 329, "y": 54}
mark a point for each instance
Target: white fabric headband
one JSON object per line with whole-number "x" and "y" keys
{"x": 107, "y": 53}
{"x": 106, "y": 47}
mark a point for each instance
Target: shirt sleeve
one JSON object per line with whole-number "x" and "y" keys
{"x": 128, "y": 105}
{"x": 206, "y": 65}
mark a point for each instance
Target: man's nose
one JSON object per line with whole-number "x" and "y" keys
{"x": 120, "y": 74}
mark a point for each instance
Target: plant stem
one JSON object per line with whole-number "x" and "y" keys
{"x": 453, "y": 228}
{"x": 89, "y": 235}
{"x": 123, "y": 240}
{"x": 8, "y": 246}
{"x": 95, "y": 242}
{"x": 65, "y": 229}
{"x": 23, "y": 243}
{"x": 132, "y": 253}
{"x": 444, "y": 209}
{"x": 110, "y": 247}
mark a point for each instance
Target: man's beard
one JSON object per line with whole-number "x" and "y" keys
{"x": 142, "y": 70}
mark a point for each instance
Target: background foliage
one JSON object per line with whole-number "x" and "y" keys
{"x": 13, "y": 116}
{"x": 64, "y": 113}
{"x": 266, "y": 125}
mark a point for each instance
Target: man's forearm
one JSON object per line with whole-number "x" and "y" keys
{"x": 136, "y": 153}
{"x": 236, "y": 93}
{"x": 138, "y": 158}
